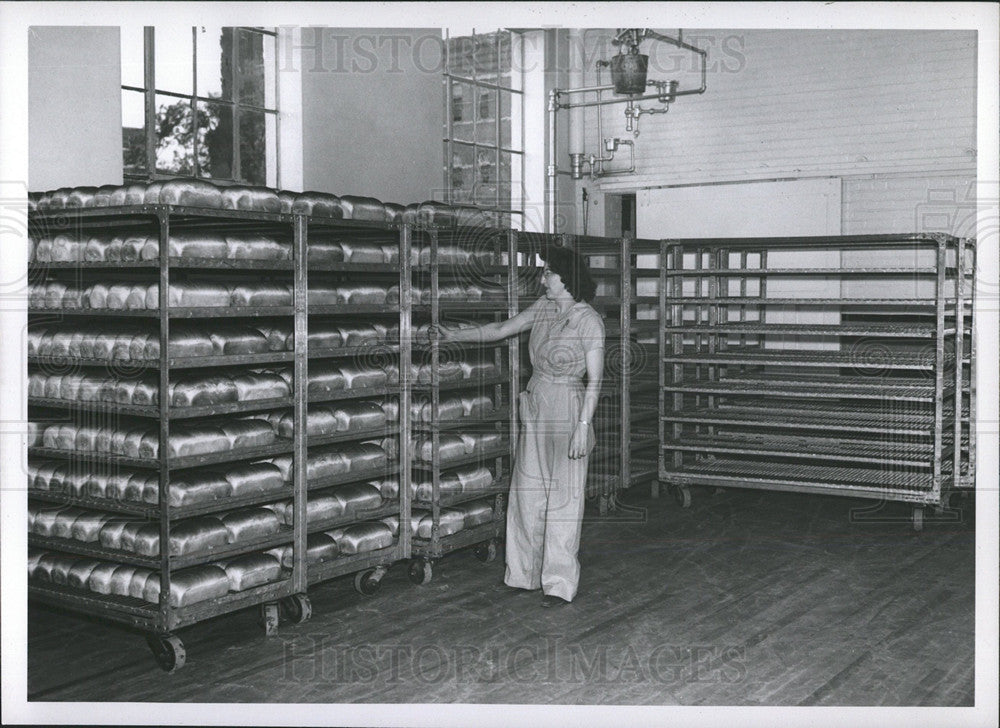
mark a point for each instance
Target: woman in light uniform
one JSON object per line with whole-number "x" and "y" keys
{"x": 550, "y": 471}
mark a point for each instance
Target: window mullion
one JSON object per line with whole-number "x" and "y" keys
{"x": 149, "y": 77}
{"x": 496, "y": 122}
{"x": 195, "y": 166}
{"x": 237, "y": 170}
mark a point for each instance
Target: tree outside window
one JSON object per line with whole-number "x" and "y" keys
{"x": 200, "y": 102}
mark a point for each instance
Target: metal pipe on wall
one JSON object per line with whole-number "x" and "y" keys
{"x": 551, "y": 168}
{"x": 575, "y": 81}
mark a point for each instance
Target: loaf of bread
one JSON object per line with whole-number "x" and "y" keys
{"x": 252, "y": 478}
{"x": 319, "y": 508}
{"x": 103, "y": 195}
{"x": 261, "y": 294}
{"x": 487, "y": 441}
{"x": 362, "y": 208}
{"x": 100, "y": 578}
{"x": 197, "y": 390}
{"x": 112, "y": 532}
{"x": 192, "y": 440}
{"x": 197, "y": 245}
{"x": 286, "y": 199}
{"x": 60, "y": 569}
{"x": 191, "y": 487}
{"x": 251, "y": 570}
{"x": 236, "y": 197}
{"x": 474, "y": 478}
{"x": 472, "y": 369}
{"x": 139, "y": 246}
{"x": 450, "y": 522}
{"x": 475, "y": 513}
{"x": 358, "y": 334}
{"x": 135, "y": 194}
{"x": 191, "y": 294}
{"x": 423, "y": 490}
{"x": 359, "y": 416}
{"x": 390, "y": 407}
{"x": 358, "y": 497}
{"x": 359, "y": 293}
{"x": 45, "y": 519}
{"x": 79, "y": 573}
{"x": 449, "y": 409}
{"x": 126, "y": 580}
{"x": 319, "y": 548}
{"x": 250, "y": 523}
{"x": 236, "y": 340}
{"x": 364, "y": 456}
{"x": 428, "y": 213}
{"x": 137, "y": 583}
{"x": 260, "y": 386}
{"x": 388, "y": 487}
{"x": 327, "y": 462}
{"x": 324, "y": 251}
{"x": 143, "y": 488}
{"x": 362, "y": 377}
{"x": 393, "y": 213}
{"x": 189, "y": 586}
{"x": 186, "y": 340}
{"x": 320, "y": 420}
{"x": 321, "y": 294}
{"x": 476, "y": 405}
{"x": 361, "y": 252}
{"x": 197, "y": 535}
{"x": 359, "y": 538}
{"x": 323, "y": 335}
{"x": 325, "y": 378}
{"x": 67, "y": 248}
{"x": 252, "y": 246}
{"x": 451, "y": 447}
{"x": 247, "y": 433}
{"x": 146, "y": 391}
{"x": 320, "y": 204}
{"x": 44, "y": 566}
{"x": 190, "y": 193}
{"x": 277, "y": 335}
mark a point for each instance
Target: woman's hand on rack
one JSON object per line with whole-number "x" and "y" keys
{"x": 581, "y": 441}
{"x": 454, "y": 334}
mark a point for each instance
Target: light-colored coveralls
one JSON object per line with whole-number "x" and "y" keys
{"x": 547, "y": 487}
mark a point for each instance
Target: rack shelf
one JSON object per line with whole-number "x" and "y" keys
{"x": 66, "y": 545}
{"x": 748, "y": 398}
{"x": 175, "y": 413}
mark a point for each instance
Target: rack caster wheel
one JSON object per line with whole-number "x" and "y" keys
{"x": 682, "y": 496}
{"x": 487, "y": 551}
{"x": 420, "y": 572}
{"x": 269, "y": 618}
{"x": 918, "y": 518}
{"x": 168, "y": 651}
{"x": 296, "y": 608}
{"x": 367, "y": 582}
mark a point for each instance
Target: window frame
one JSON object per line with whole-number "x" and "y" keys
{"x": 516, "y": 88}
{"x": 150, "y": 93}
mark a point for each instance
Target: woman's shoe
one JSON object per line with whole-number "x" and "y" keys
{"x": 551, "y": 600}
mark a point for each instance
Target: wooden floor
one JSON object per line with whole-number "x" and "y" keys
{"x": 746, "y": 598}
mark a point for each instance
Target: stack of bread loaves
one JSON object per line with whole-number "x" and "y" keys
{"x": 202, "y": 194}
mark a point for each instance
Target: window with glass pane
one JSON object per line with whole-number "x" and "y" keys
{"x": 483, "y": 126}
{"x": 212, "y": 110}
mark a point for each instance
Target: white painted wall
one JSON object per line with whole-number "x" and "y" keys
{"x": 891, "y": 113}
{"x": 74, "y": 107}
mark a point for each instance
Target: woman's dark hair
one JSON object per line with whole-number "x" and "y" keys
{"x": 572, "y": 270}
